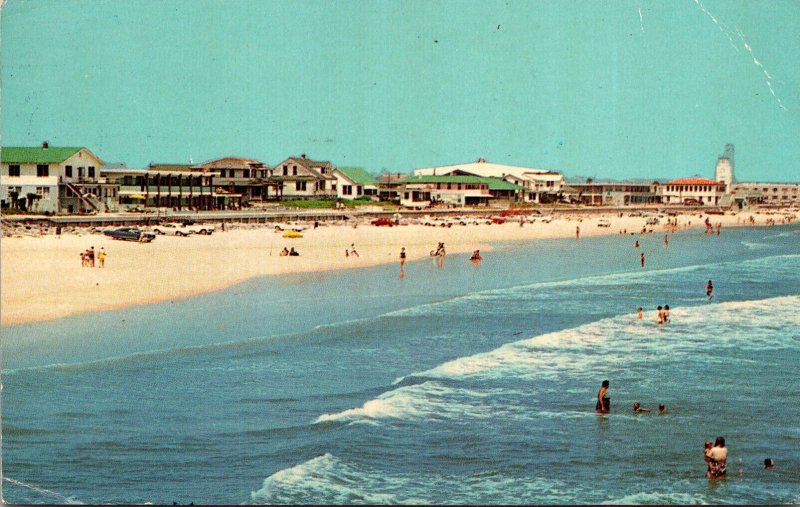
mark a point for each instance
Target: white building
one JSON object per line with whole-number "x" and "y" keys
{"x": 53, "y": 180}
{"x": 536, "y": 183}
{"x": 354, "y": 182}
{"x": 692, "y": 191}
{"x": 769, "y": 193}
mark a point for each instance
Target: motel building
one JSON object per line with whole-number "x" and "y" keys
{"x": 54, "y": 180}
{"x": 692, "y": 191}
{"x": 537, "y": 185}
{"x": 177, "y": 186}
{"x": 425, "y": 191}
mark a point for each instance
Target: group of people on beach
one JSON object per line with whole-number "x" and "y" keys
{"x": 88, "y": 257}
{"x": 289, "y": 253}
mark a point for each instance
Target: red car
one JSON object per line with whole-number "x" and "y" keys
{"x": 382, "y": 221}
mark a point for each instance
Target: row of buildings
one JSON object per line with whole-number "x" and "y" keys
{"x": 74, "y": 180}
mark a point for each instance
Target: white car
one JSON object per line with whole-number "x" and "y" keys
{"x": 178, "y": 229}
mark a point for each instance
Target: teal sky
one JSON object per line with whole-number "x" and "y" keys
{"x": 582, "y": 87}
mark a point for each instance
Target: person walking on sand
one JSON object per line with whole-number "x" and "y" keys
{"x": 91, "y": 256}
{"x": 353, "y": 250}
{"x": 101, "y": 256}
{"x": 710, "y": 289}
{"x": 402, "y": 256}
{"x": 603, "y": 405}
{"x": 642, "y": 259}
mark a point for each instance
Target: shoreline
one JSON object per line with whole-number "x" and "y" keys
{"x": 42, "y": 278}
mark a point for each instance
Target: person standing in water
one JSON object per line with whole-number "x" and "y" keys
{"x": 639, "y": 313}
{"x": 603, "y": 405}
{"x": 710, "y": 289}
{"x": 642, "y": 259}
{"x": 402, "y": 256}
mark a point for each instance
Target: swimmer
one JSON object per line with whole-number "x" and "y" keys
{"x": 660, "y": 318}
{"x": 639, "y": 313}
{"x": 638, "y": 409}
{"x": 603, "y": 405}
{"x": 710, "y": 289}
{"x": 768, "y": 464}
{"x": 666, "y": 314}
{"x": 662, "y": 409}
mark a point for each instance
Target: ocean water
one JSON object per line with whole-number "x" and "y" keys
{"x": 456, "y": 384}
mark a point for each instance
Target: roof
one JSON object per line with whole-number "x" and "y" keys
{"x": 493, "y": 183}
{"x": 310, "y": 164}
{"x": 487, "y": 169}
{"x": 37, "y": 155}
{"x": 233, "y": 163}
{"x": 170, "y": 167}
{"x": 358, "y": 175}
{"x": 694, "y": 181}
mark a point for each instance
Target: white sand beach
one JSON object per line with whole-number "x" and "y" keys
{"x": 42, "y": 277}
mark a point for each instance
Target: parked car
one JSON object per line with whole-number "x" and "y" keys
{"x": 383, "y": 222}
{"x": 130, "y": 234}
{"x": 178, "y": 229}
{"x": 636, "y": 214}
{"x": 547, "y": 219}
{"x": 604, "y": 222}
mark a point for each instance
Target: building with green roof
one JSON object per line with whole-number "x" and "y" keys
{"x": 424, "y": 190}
{"x": 354, "y": 182}
{"x": 53, "y": 179}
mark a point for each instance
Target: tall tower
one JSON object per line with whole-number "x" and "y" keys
{"x": 724, "y": 173}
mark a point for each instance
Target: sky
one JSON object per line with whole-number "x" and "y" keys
{"x": 605, "y": 89}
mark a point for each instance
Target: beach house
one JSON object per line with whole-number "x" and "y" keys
{"x": 48, "y": 179}
{"x": 538, "y": 185}
{"x": 422, "y": 191}
{"x": 354, "y": 182}
{"x": 303, "y": 178}
{"x": 248, "y": 178}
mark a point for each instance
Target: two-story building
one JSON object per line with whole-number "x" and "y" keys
{"x": 768, "y": 193}
{"x": 421, "y": 191}
{"x": 692, "y": 191}
{"x": 49, "y": 179}
{"x": 354, "y": 182}
{"x": 176, "y": 186}
{"x": 614, "y": 193}
{"x": 248, "y": 178}
{"x": 303, "y": 178}
{"x": 539, "y": 185}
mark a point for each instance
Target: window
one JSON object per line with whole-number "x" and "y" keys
{"x": 42, "y": 170}
{"x": 300, "y": 185}
{"x": 347, "y": 189}
{"x": 43, "y": 191}
{"x": 285, "y": 170}
{"x": 322, "y": 185}
{"x": 91, "y": 171}
{"x": 245, "y": 173}
{"x": 222, "y": 173}
{"x": 68, "y": 171}
{"x": 13, "y": 170}
{"x": 294, "y": 170}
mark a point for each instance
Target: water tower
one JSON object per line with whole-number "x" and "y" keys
{"x": 724, "y": 173}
